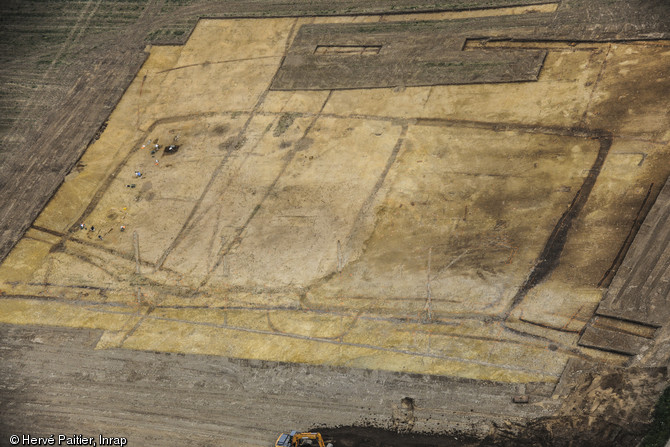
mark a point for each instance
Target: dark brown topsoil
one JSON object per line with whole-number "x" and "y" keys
{"x": 375, "y": 437}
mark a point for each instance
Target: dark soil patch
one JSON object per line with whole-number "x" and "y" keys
{"x": 283, "y": 124}
{"x": 376, "y": 437}
{"x": 659, "y": 433}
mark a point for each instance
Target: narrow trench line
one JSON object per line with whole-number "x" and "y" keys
{"x": 119, "y": 277}
{"x": 177, "y": 239}
{"x": 553, "y": 328}
{"x": 75, "y": 302}
{"x": 228, "y": 61}
{"x": 358, "y": 314}
{"x": 116, "y": 253}
{"x": 203, "y": 212}
{"x": 132, "y": 330}
{"x": 237, "y": 240}
{"x": 370, "y": 199}
{"x": 338, "y": 342}
{"x": 109, "y": 307}
{"x": 70, "y": 286}
{"x": 653, "y": 249}
{"x": 626, "y": 320}
{"x": 597, "y": 323}
{"x": 595, "y": 85}
{"x": 642, "y": 212}
{"x": 551, "y": 253}
{"x": 219, "y": 169}
{"x": 47, "y": 230}
{"x": 102, "y": 189}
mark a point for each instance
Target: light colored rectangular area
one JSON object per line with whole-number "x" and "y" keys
{"x": 166, "y": 333}
{"x": 377, "y": 229}
{"x": 255, "y": 162}
{"x": 479, "y": 203}
{"x": 314, "y": 204}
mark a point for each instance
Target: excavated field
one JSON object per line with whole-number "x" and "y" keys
{"x": 359, "y": 228}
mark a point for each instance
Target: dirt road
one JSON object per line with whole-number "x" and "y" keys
{"x": 54, "y": 382}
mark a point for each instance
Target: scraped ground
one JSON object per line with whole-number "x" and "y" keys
{"x": 382, "y": 229}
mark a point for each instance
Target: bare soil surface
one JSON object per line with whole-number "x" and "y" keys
{"x": 53, "y": 381}
{"x": 66, "y": 65}
{"x": 417, "y": 264}
{"x": 79, "y": 59}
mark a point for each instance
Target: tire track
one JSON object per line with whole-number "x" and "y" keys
{"x": 74, "y": 34}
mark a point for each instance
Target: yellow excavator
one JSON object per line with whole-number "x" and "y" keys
{"x": 296, "y": 439}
